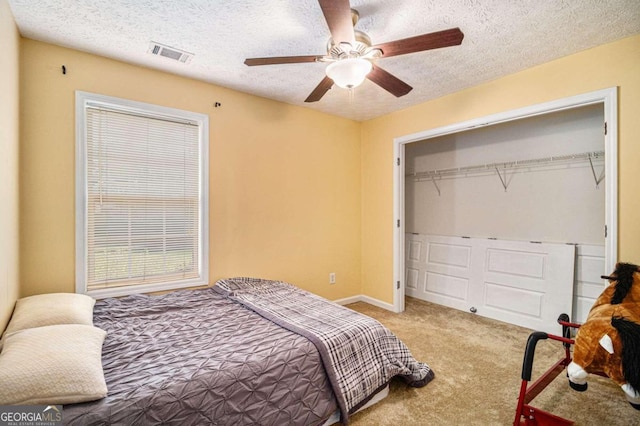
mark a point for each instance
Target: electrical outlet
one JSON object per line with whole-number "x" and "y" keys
{"x": 332, "y": 278}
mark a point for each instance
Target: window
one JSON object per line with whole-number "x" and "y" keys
{"x": 141, "y": 197}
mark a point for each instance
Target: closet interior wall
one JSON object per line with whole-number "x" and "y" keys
{"x": 557, "y": 204}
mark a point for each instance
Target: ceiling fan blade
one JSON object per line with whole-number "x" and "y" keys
{"x": 337, "y": 13}
{"x": 389, "y": 82}
{"x": 450, "y": 37}
{"x": 320, "y": 90}
{"x": 281, "y": 60}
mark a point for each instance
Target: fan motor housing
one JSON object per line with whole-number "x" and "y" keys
{"x": 340, "y": 50}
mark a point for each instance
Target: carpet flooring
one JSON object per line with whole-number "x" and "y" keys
{"x": 477, "y": 363}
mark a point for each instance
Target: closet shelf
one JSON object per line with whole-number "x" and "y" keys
{"x": 586, "y": 157}
{"x": 504, "y": 167}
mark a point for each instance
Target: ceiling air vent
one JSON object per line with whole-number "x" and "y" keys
{"x": 169, "y": 52}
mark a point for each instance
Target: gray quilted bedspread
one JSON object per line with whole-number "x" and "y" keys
{"x": 360, "y": 355}
{"x": 197, "y": 358}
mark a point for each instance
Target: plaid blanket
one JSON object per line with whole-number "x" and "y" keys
{"x": 359, "y": 354}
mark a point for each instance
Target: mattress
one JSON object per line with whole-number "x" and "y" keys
{"x": 245, "y": 352}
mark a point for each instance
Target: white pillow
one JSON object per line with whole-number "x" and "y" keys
{"x": 56, "y": 364}
{"x": 51, "y": 309}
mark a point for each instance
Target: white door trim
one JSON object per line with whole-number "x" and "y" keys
{"x": 608, "y": 97}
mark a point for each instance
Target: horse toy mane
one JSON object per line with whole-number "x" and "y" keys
{"x": 609, "y": 341}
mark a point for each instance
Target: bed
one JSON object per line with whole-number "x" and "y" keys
{"x": 246, "y": 351}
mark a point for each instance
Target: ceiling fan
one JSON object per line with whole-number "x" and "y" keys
{"x": 350, "y": 53}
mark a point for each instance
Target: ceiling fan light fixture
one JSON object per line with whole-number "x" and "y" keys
{"x": 350, "y": 72}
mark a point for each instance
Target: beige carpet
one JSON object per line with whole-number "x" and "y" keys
{"x": 477, "y": 364}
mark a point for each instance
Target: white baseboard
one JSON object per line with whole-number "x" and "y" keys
{"x": 378, "y": 303}
{"x": 366, "y": 299}
{"x": 348, "y": 300}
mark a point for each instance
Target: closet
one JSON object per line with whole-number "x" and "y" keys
{"x": 508, "y": 220}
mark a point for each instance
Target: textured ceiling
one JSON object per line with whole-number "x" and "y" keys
{"x": 501, "y": 37}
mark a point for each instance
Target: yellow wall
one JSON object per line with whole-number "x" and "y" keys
{"x": 284, "y": 180}
{"x": 9, "y": 142}
{"x": 614, "y": 64}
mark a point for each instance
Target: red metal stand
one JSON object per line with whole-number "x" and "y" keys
{"x": 525, "y": 413}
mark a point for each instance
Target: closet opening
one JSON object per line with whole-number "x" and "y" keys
{"x": 511, "y": 216}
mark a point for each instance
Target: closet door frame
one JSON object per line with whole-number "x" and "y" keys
{"x": 607, "y": 97}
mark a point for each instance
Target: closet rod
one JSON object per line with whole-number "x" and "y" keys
{"x": 510, "y": 165}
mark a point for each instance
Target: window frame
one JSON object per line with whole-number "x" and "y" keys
{"x": 85, "y": 100}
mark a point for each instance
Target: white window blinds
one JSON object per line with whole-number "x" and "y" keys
{"x": 143, "y": 200}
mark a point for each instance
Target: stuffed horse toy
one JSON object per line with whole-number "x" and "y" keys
{"x": 609, "y": 341}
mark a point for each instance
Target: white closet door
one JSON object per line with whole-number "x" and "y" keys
{"x": 446, "y": 272}
{"x": 588, "y": 286}
{"x": 523, "y": 283}
{"x": 528, "y": 284}
{"x": 414, "y": 257}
